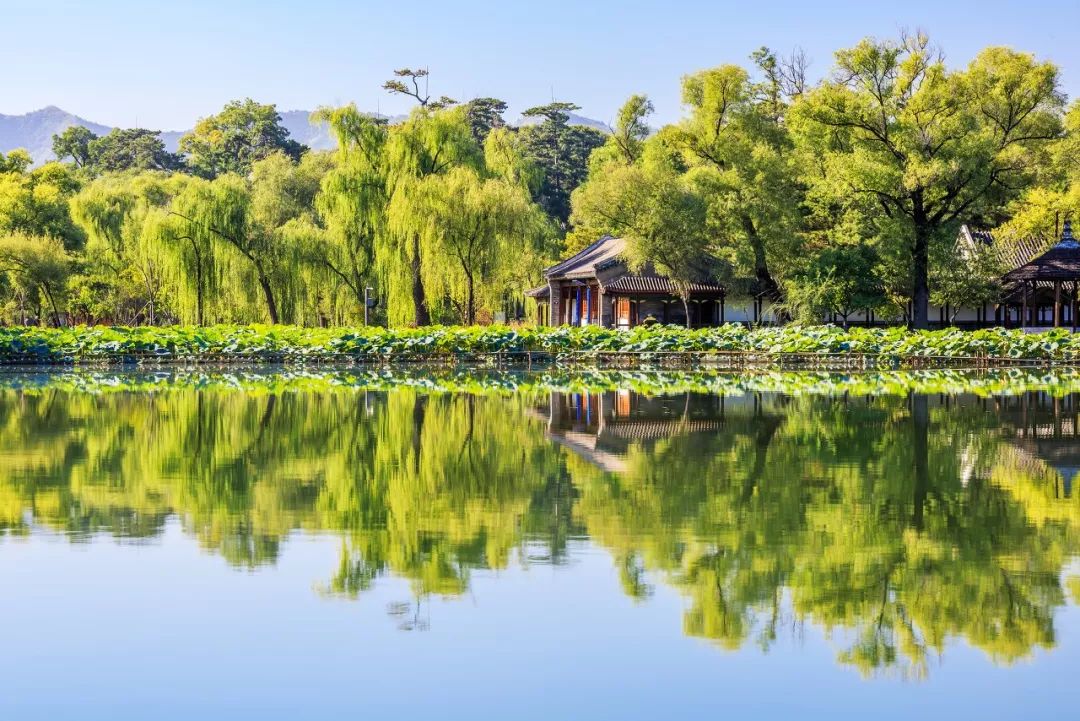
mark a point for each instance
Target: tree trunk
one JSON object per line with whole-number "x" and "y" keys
{"x": 686, "y": 309}
{"x": 199, "y": 318}
{"x": 52, "y": 302}
{"x": 268, "y": 293}
{"x": 761, "y": 264}
{"x": 198, "y": 282}
{"x": 471, "y": 311}
{"x": 920, "y": 296}
{"x": 420, "y": 308}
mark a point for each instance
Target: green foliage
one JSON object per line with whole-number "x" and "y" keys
{"x": 243, "y": 133}
{"x": 132, "y": 149}
{"x": 74, "y": 143}
{"x": 17, "y": 161}
{"x": 838, "y": 280}
{"x": 930, "y": 147}
{"x": 561, "y": 151}
{"x": 626, "y": 144}
{"x": 885, "y": 346}
{"x": 37, "y": 269}
{"x": 485, "y": 115}
{"x": 120, "y": 150}
{"x": 35, "y": 202}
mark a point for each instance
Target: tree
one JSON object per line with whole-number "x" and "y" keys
{"x": 472, "y": 226}
{"x": 243, "y": 133}
{"x": 18, "y": 161}
{"x": 626, "y": 142}
{"x": 930, "y": 146}
{"x": 736, "y": 146}
{"x": 131, "y": 149}
{"x": 74, "y": 143}
{"x": 35, "y": 202}
{"x": 485, "y": 115}
{"x": 561, "y": 151}
{"x": 353, "y": 197}
{"x": 840, "y": 279}
{"x": 410, "y": 87}
{"x": 965, "y": 279}
{"x": 428, "y": 143}
{"x": 258, "y": 228}
{"x": 36, "y": 263}
{"x": 132, "y": 269}
{"x": 662, "y": 216}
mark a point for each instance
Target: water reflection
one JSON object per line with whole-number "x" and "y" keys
{"x": 896, "y": 522}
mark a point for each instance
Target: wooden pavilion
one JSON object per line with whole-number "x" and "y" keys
{"x": 596, "y": 287}
{"x": 1055, "y": 273}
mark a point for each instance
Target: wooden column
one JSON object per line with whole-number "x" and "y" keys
{"x": 1057, "y": 303}
{"x": 1023, "y": 305}
{"x": 1072, "y": 308}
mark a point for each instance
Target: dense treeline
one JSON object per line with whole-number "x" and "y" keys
{"x": 842, "y": 195}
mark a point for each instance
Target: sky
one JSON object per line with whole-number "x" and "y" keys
{"x": 162, "y": 65}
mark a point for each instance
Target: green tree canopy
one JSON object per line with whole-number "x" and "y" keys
{"x": 931, "y": 147}
{"x": 243, "y": 133}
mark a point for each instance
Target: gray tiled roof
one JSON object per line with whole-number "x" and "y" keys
{"x": 1061, "y": 262}
{"x": 655, "y": 284}
{"x": 585, "y": 263}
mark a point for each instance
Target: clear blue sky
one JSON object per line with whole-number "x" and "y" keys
{"x": 164, "y": 64}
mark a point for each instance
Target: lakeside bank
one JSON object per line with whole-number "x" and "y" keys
{"x": 732, "y": 346}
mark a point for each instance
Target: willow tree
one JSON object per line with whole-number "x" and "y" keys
{"x": 35, "y": 201}
{"x": 932, "y": 148}
{"x": 353, "y": 197}
{"x": 626, "y": 143}
{"x": 36, "y": 264}
{"x": 429, "y": 143}
{"x": 261, "y": 221}
{"x": 120, "y": 215}
{"x": 470, "y": 227}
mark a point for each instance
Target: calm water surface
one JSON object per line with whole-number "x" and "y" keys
{"x": 317, "y": 550}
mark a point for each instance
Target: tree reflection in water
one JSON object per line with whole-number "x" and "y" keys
{"x": 895, "y": 523}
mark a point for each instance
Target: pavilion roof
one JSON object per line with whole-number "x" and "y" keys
{"x": 1061, "y": 262}
{"x": 590, "y": 259}
{"x": 647, "y": 283}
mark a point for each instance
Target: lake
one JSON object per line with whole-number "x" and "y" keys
{"x": 443, "y": 544}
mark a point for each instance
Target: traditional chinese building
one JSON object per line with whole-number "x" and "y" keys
{"x": 1044, "y": 289}
{"x": 597, "y": 287}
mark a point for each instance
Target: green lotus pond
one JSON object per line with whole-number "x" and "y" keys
{"x": 549, "y": 545}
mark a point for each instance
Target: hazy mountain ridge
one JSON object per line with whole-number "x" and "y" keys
{"x": 34, "y": 130}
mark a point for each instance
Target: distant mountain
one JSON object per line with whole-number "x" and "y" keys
{"x": 573, "y": 119}
{"x": 34, "y": 130}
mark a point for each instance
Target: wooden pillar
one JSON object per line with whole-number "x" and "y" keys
{"x": 1057, "y": 303}
{"x": 1023, "y": 305}
{"x": 722, "y": 297}
{"x": 1073, "y": 306}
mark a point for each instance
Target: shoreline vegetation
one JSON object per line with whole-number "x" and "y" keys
{"x": 269, "y": 380}
{"x": 731, "y": 346}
